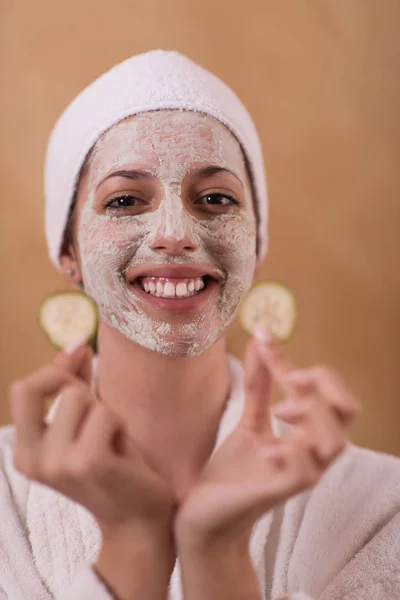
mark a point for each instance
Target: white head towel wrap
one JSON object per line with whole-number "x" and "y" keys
{"x": 154, "y": 80}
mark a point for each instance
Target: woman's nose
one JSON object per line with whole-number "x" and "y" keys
{"x": 174, "y": 235}
{"x": 170, "y": 244}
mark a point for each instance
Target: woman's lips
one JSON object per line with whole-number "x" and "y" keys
{"x": 176, "y": 304}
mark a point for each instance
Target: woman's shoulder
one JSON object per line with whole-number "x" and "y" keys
{"x": 362, "y": 473}
{"x": 374, "y": 458}
{"x": 356, "y": 495}
{"x": 369, "y": 468}
{"x": 347, "y": 522}
{"x": 373, "y": 477}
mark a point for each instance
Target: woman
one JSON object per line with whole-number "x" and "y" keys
{"x": 162, "y": 445}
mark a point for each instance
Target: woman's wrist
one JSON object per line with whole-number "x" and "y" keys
{"x": 128, "y": 559}
{"x": 194, "y": 539}
{"x": 140, "y": 541}
{"x": 140, "y": 530}
{"x": 221, "y": 570}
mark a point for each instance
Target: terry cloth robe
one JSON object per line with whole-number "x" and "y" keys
{"x": 339, "y": 540}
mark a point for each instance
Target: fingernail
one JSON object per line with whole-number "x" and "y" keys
{"x": 74, "y": 345}
{"x": 263, "y": 335}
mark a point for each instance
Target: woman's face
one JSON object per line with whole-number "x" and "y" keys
{"x": 164, "y": 208}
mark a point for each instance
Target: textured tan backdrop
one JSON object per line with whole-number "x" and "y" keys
{"x": 321, "y": 81}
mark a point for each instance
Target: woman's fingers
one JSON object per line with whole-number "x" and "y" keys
{"x": 79, "y": 363}
{"x": 66, "y": 424}
{"x": 98, "y": 430}
{"x": 75, "y": 453}
{"x": 91, "y": 457}
{"x": 27, "y": 399}
{"x": 330, "y": 387}
{"x": 298, "y": 461}
{"x": 315, "y": 423}
{"x": 257, "y": 386}
{"x": 276, "y": 360}
{"x": 321, "y": 380}
{"x": 290, "y": 469}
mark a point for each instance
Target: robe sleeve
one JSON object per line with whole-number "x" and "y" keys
{"x": 19, "y": 577}
{"x": 87, "y": 585}
{"x": 373, "y": 573}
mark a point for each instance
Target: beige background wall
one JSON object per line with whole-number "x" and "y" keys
{"x": 321, "y": 80}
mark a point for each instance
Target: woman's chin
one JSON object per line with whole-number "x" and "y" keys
{"x": 175, "y": 334}
{"x": 171, "y": 345}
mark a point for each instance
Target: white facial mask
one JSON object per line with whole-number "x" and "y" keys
{"x": 168, "y": 144}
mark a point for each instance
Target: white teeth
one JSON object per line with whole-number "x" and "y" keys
{"x": 169, "y": 290}
{"x": 199, "y": 284}
{"x": 181, "y": 289}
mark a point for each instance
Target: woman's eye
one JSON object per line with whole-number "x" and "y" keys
{"x": 216, "y": 199}
{"x": 123, "y": 201}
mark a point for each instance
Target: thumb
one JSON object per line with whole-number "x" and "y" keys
{"x": 77, "y": 360}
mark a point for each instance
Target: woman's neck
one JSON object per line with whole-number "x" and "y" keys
{"x": 171, "y": 406}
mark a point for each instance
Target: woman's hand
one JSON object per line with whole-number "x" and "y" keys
{"x": 85, "y": 453}
{"x": 253, "y": 471}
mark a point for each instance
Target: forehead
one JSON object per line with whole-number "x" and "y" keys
{"x": 160, "y": 138}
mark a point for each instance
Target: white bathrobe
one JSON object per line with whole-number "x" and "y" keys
{"x": 339, "y": 540}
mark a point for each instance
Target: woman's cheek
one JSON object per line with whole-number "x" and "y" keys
{"x": 106, "y": 246}
{"x": 232, "y": 240}
{"x": 107, "y": 243}
{"x": 234, "y": 233}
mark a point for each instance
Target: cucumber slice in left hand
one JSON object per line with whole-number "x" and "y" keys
{"x": 66, "y": 315}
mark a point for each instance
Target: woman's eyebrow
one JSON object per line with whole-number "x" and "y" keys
{"x": 136, "y": 174}
{"x": 211, "y": 170}
{"x": 129, "y": 174}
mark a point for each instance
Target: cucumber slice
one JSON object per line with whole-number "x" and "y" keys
{"x": 273, "y": 306}
{"x": 63, "y": 316}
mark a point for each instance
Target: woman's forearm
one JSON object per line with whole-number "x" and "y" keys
{"x": 135, "y": 567}
{"x": 221, "y": 572}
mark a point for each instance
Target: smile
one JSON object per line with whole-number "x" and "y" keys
{"x": 172, "y": 288}
{"x": 174, "y": 295}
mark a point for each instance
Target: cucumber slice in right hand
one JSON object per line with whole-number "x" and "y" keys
{"x": 271, "y": 305}
{"x": 64, "y": 316}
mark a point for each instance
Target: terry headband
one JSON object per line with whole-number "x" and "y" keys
{"x": 154, "y": 80}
